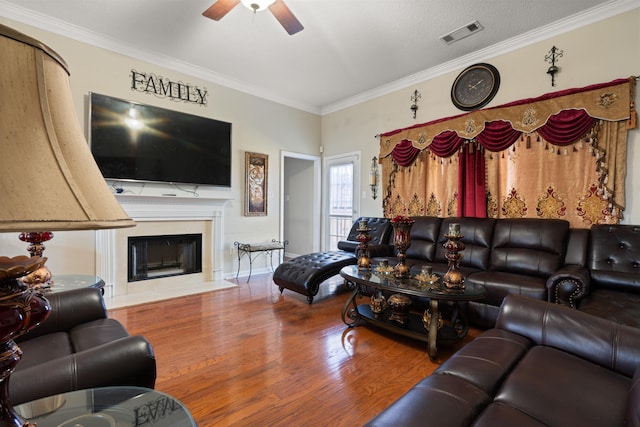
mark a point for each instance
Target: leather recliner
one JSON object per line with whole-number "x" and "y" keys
{"x": 78, "y": 347}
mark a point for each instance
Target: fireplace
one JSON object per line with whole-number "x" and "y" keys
{"x": 151, "y": 257}
{"x": 161, "y": 216}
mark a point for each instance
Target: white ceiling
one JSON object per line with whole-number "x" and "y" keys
{"x": 349, "y": 50}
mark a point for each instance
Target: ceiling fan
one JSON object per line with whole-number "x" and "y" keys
{"x": 220, "y": 8}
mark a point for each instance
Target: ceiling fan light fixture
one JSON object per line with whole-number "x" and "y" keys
{"x": 257, "y": 5}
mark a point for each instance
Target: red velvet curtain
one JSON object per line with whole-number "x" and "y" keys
{"x": 561, "y": 129}
{"x": 471, "y": 182}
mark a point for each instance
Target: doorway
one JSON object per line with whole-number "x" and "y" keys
{"x": 300, "y": 187}
{"x": 342, "y": 204}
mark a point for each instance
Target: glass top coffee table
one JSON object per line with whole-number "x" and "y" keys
{"x": 107, "y": 407}
{"x": 394, "y": 312}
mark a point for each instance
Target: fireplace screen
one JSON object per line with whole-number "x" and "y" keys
{"x": 151, "y": 257}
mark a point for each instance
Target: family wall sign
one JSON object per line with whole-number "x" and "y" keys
{"x": 166, "y": 88}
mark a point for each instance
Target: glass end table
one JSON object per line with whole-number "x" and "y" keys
{"x": 428, "y": 327}
{"x": 107, "y": 407}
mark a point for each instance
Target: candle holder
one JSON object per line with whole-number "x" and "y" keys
{"x": 402, "y": 240}
{"x": 454, "y": 279}
{"x": 362, "y": 253}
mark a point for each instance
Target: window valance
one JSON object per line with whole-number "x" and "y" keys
{"x": 561, "y": 117}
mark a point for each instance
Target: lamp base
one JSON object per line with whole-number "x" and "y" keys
{"x": 21, "y": 309}
{"x": 41, "y": 278}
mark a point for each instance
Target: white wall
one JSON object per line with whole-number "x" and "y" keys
{"x": 597, "y": 53}
{"x": 258, "y": 125}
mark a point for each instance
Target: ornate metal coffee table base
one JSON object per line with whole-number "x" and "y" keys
{"x": 428, "y": 327}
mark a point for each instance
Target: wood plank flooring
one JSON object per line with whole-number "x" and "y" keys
{"x": 249, "y": 356}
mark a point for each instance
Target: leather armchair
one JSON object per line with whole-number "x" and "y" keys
{"x": 78, "y": 347}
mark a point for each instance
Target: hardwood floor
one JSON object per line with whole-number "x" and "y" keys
{"x": 249, "y": 356}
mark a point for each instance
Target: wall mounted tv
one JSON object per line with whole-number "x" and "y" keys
{"x": 132, "y": 141}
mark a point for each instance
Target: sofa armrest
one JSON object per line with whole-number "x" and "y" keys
{"x": 68, "y": 309}
{"x": 569, "y": 285}
{"x": 126, "y": 361}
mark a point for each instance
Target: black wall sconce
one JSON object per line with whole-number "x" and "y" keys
{"x": 373, "y": 177}
{"x": 551, "y": 58}
{"x": 414, "y": 98}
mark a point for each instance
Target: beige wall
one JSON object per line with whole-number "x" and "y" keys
{"x": 597, "y": 53}
{"x": 258, "y": 125}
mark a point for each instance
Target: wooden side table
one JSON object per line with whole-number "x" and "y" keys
{"x": 253, "y": 250}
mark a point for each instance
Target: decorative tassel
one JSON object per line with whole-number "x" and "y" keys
{"x": 528, "y": 141}
{"x": 633, "y": 117}
{"x": 566, "y": 152}
{"x": 575, "y": 150}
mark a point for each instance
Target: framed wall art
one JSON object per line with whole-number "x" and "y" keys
{"x": 256, "y": 168}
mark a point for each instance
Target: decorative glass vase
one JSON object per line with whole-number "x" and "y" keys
{"x": 402, "y": 240}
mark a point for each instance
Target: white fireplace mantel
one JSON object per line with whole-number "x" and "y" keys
{"x": 170, "y": 208}
{"x": 161, "y": 209}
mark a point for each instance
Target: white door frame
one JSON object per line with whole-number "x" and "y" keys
{"x": 317, "y": 194}
{"x": 357, "y": 158}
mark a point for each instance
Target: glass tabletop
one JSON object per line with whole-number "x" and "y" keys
{"x": 108, "y": 407}
{"x": 412, "y": 286}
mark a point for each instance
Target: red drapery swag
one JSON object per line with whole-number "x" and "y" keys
{"x": 560, "y": 118}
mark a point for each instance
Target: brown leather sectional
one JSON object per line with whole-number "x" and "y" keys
{"x": 542, "y": 365}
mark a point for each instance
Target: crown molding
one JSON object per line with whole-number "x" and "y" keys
{"x": 74, "y": 32}
{"x": 590, "y": 16}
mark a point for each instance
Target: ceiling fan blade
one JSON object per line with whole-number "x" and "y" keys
{"x": 285, "y": 17}
{"x": 220, "y": 8}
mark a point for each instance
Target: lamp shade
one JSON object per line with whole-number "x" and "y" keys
{"x": 48, "y": 177}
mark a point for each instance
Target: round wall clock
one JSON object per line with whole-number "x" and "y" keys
{"x": 475, "y": 86}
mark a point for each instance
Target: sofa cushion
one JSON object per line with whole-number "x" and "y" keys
{"x": 529, "y": 246}
{"x": 501, "y": 414}
{"x": 424, "y": 238}
{"x": 95, "y": 333}
{"x": 57, "y": 344}
{"x": 487, "y": 360}
{"x": 619, "y": 306}
{"x": 614, "y": 257}
{"x": 453, "y": 402}
{"x": 560, "y": 389}
{"x": 478, "y": 233}
{"x": 500, "y": 284}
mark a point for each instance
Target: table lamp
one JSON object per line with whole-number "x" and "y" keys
{"x": 49, "y": 181}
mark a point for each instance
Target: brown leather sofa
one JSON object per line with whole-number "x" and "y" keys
{"x": 542, "y": 365}
{"x": 78, "y": 347}
{"x": 605, "y": 279}
{"x": 305, "y": 273}
{"x": 506, "y": 256}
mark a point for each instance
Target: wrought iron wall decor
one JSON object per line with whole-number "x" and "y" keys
{"x": 551, "y": 58}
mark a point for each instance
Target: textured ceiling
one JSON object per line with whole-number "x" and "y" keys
{"x": 347, "y": 49}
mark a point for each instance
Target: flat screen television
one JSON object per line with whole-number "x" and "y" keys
{"x": 132, "y": 141}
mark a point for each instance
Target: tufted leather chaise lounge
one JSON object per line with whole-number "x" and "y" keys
{"x": 305, "y": 273}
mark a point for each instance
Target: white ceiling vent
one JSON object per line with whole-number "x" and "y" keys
{"x": 462, "y": 32}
